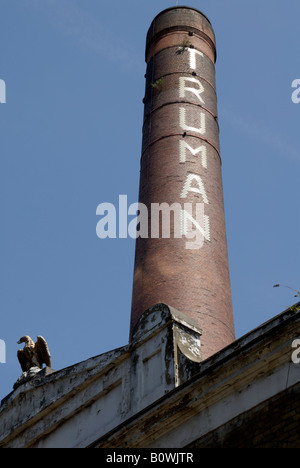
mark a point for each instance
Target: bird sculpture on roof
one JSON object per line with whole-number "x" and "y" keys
{"x": 33, "y": 354}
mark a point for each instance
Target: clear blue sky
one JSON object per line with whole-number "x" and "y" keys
{"x": 70, "y": 139}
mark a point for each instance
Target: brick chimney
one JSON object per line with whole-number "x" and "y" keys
{"x": 181, "y": 164}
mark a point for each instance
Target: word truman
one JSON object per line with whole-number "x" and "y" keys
{"x": 193, "y": 182}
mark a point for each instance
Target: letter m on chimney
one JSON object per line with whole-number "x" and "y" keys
{"x": 2, "y": 92}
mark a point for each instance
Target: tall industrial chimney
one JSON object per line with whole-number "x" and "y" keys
{"x": 181, "y": 164}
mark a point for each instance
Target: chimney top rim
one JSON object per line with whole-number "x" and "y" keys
{"x": 185, "y": 7}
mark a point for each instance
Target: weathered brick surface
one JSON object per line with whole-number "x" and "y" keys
{"x": 195, "y": 282}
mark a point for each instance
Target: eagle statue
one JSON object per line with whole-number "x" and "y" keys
{"x": 33, "y": 354}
